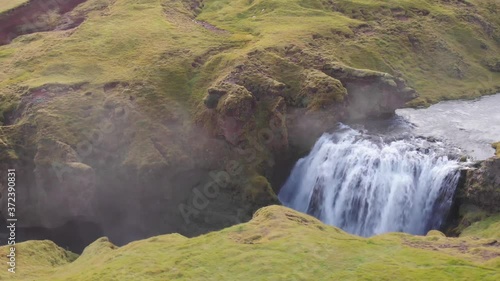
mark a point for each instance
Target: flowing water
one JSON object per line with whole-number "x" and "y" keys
{"x": 368, "y": 186}
{"x": 393, "y": 178}
{"x": 471, "y": 125}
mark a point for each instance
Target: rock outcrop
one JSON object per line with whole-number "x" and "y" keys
{"x": 371, "y": 93}
{"x": 315, "y": 95}
{"x": 477, "y": 197}
{"x": 482, "y": 186}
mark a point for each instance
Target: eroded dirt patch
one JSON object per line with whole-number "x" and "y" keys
{"x": 36, "y": 16}
{"x": 480, "y": 248}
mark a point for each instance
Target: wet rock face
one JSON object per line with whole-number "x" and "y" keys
{"x": 235, "y": 110}
{"x": 371, "y": 93}
{"x": 321, "y": 91}
{"x": 482, "y": 186}
{"x": 493, "y": 64}
{"x": 64, "y": 187}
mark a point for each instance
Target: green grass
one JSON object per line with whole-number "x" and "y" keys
{"x": 142, "y": 44}
{"x": 487, "y": 228}
{"x": 445, "y": 60}
{"x": 278, "y": 244}
{"x": 6, "y": 5}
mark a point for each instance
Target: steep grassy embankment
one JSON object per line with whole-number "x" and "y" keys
{"x": 277, "y": 244}
{"x": 446, "y": 49}
{"x": 487, "y": 228}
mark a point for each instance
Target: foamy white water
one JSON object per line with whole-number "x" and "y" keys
{"x": 368, "y": 186}
{"x": 471, "y": 125}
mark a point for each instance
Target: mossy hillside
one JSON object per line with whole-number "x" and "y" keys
{"x": 117, "y": 90}
{"x": 38, "y": 257}
{"x": 262, "y": 22}
{"x": 277, "y": 244}
{"x": 137, "y": 43}
{"x": 399, "y": 37}
{"x": 158, "y": 45}
{"x": 469, "y": 214}
{"x": 155, "y": 60}
{"x": 486, "y": 228}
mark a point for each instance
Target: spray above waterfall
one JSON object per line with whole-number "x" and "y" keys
{"x": 367, "y": 185}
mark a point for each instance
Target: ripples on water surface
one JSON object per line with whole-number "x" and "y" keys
{"x": 471, "y": 125}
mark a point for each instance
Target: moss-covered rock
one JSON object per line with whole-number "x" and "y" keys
{"x": 371, "y": 93}
{"x": 435, "y": 233}
{"x": 320, "y": 91}
{"x": 493, "y": 64}
{"x": 234, "y": 106}
{"x": 258, "y": 189}
{"x": 497, "y": 147}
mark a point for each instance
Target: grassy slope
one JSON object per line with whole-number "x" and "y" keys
{"x": 489, "y": 227}
{"x": 136, "y": 39}
{"x": 120, "y": 46}
{"x": 156, "y": 43}
{"x": 6, "y": 5}
{"x": 129, "y": 41}
{"x": 278, "y": 244}
{"x": 443, "y": 62}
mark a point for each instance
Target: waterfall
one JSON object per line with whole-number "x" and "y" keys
{"x": 367, "y": 185}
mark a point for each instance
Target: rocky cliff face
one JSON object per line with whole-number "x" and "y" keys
{"x": 478, "y": 196}
{"x": 482, "y": 185}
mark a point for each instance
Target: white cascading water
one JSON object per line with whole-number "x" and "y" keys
{"x": 367, "y": 186}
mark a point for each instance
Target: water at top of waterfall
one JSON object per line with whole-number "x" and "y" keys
{"x": 471, "y": 125}
{"x": 368, "y": 184}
